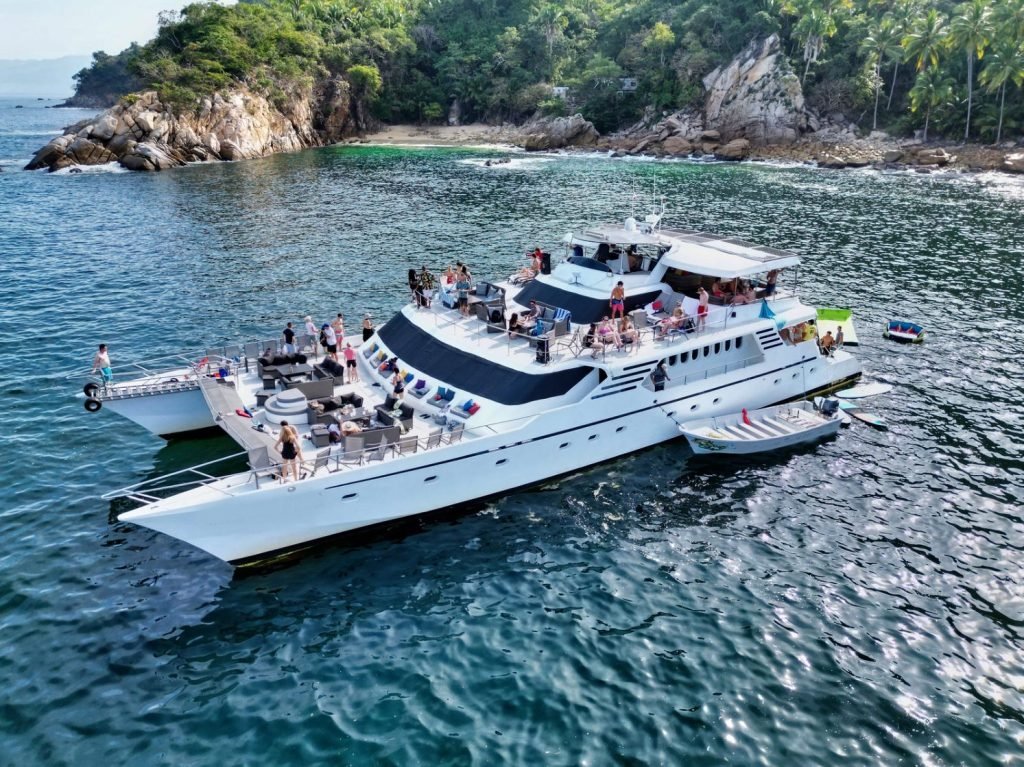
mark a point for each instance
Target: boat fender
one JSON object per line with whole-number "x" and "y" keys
{"x": 243, "y": 412}
{"x": 746, "y": 418}
{"x": 92, "y": 405}
{"x": 90, "y": 389}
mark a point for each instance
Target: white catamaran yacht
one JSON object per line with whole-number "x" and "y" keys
{"x": 485, "y": 409}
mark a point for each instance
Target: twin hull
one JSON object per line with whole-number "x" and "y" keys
{"x": 252, "y": 523}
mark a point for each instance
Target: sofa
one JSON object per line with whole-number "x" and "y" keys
{"x": 386, "y": 417}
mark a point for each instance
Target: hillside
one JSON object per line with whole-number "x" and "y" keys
{"x": 931, "y": 65}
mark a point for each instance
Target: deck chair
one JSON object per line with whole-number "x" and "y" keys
{"x": 378, "y": 453}
{"x": 455, "y": 435}
{"x": 574, "y": 343}
{"x": 320, "y": 463}
{"x": 261, "y": 465}
{"x": 353, "y": 455}
{"x": 407, "y": 445}
{"x": 433, "y": 440}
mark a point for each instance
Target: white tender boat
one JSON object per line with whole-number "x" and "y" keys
{"x": 486, "y": 411}
{"x": 760, "y": 431}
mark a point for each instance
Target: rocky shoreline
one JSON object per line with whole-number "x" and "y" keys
{"x": 753, "y": 108}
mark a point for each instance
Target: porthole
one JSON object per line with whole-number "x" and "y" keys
{"x": 796, "y": 375}
{"x": 718, "y": 348}
{"x": 350, "y": 496}
{"x": 592, "y": 437}
{"x": 739, "y": 342}
{"x": 728, "y": 344}
{"x": 563, "y": 446}
{"x": 776, "y": 381}
{"x": 430, "y": 479}
{"x": 707, "y": 350}
{"x": 621, "y": 428}
{"x": 500, "y": 461}
{"x": 693, "y": 407}
{"x": 716, "y": 400}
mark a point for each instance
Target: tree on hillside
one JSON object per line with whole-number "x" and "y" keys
{"x": 881, "y": 44}
{"x": 1005, "y": 65}
{"x": 970, "y": 31}
{"x": 366, "y": 83}
{"x": 660, "y": 39}
{"x": 926, "y": 39}
{"x": 932, "y": 89}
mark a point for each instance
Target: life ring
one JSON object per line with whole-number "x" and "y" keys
{"x": 92, "y": 405}
{"x": 90, "y": 389}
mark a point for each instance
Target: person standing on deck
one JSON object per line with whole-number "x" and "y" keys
{"x": 769, "y": 282}
{"x": 839, "y": 337}
{"x": 367, "y": 327}
{"x": 289, "y": 339}
{"x": 311, "y": 331}
{"x": 702, "y": 307}
{"x": 339, "y": 327}
{"x": 101, "y": 363}
{"x": 332, "y": 341}
{"x": 618, "y": 300}
{"x": 350, "y": 363}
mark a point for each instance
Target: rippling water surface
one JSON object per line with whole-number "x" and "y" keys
{"x": 858, "y": 602}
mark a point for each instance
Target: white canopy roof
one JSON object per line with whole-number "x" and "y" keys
{"x": 617, "y": 235}
{"x": 715, "y": 256}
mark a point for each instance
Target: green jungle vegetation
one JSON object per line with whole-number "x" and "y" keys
{"x": 952, "y": 69}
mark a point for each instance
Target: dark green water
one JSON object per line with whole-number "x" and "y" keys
{"x": 860, "y": 602}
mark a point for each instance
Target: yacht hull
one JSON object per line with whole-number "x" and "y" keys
{"x": 242, "y": 523}
{"x": 165, "y": 414}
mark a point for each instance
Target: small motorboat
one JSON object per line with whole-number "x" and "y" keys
{"x": 856, "y": 411}
{"x": 904, "y": 331}
{"x": 757, "y": 431}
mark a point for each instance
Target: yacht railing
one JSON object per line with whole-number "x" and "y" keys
{"x": 156, "y": 488}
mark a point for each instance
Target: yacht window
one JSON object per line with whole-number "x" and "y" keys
{"x": 672, "y": 360}
{"x": 718, "y": 348}
{"x": 693, "y": 354}
{"x": 739, "y": 342}
{"x": 707, "y": 350}
{"x": 728, "y": 344}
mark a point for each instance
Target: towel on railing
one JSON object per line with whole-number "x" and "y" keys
{"x": 562, "y": 314}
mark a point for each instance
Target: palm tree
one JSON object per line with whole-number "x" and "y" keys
{"x": 881, "y": 44}
{"x": 814, "y": 26}
{"x": 1005, "y": 64}
{"x": 931, "y": 89}
{"x": 1008, "y": 16}
{"x": 970, "y": 31}
{"x": 926, "y": 39}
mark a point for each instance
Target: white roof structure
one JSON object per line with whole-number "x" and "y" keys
{"x": 617, "y": 235}
{"x": 725, "y": 257}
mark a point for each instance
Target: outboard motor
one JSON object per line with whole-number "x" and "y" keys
{"x": 829, "y": 406}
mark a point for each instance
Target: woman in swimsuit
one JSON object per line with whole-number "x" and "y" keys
{"x": 606, "y": 334}
{"x": 291, "y": 451}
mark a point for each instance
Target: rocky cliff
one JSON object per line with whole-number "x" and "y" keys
{"x": 755, "y": 96}
{"x": 142, "y": 133}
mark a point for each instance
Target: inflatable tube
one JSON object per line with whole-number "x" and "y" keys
{"x": 90, "y": 389}
{"x": 92, "y": 405}
{"x": 243, "y": 412}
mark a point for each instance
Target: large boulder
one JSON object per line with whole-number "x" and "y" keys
{"x": 142, "y": 133}
{"x": 1014, "y": 163}
{"x": 558, "y": 132}
{"x": 737, "y": 149}
{"x": 933, "y": 156}
{"x": 677, "y": 145}
{"x": 755, "y": 96}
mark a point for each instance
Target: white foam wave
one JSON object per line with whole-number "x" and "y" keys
{"x": 74, "y": 170}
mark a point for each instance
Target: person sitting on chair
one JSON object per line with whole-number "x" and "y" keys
{"x": 627, "y": 333}
{"x": 827, "y": 343}
{"x": 514, "y": 327}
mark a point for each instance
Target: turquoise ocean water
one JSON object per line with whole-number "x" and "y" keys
{"x": 860, "y": 602}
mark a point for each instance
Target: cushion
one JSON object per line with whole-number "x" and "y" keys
{"x": 421, "y": 384}
{"x": 408, "y": 377}
{"x": 473, "y": 410}
{"x": 450, "y": 395}
{"x": 467, "y": 404}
